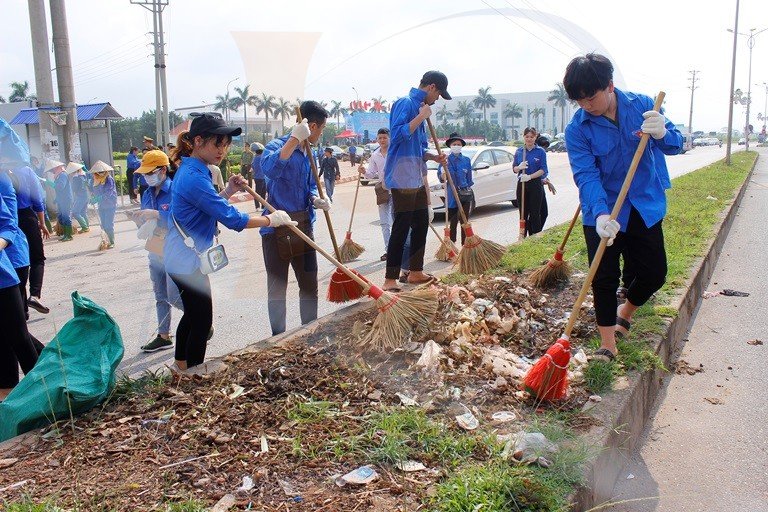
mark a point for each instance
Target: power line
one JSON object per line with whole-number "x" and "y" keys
{"x": 108, "y": 51}
{"x": 119, "y": 71}
{"x": 82, "y": 77}
{"x": 118, "y": 57}
{"x": 567, "y": 43}
{"x": 525, "y": 29}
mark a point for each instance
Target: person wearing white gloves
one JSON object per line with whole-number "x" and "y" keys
{"x": 292, "y": 187}
{"x": 530, "y": 164}
{"x": 602, "y": 138}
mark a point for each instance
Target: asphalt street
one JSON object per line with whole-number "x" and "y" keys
{"x": 118, "y": 279}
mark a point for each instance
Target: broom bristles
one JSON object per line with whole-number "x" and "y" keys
{"x": 552, "y": 272}
{"x": 478, "y": 255}
{"x": 350, "y": 250}
{"x": 548, "y": 378}
{"x": 401, "y": 315}
{"x": 447, "y": 250}
{"x": 343, "y": 288}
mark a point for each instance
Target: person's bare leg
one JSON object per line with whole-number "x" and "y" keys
{"x": 416, "y": 276}
{"x": 390, "y": 283}
{"x": 608, "y": 338}
{"x": 625, "y": 311}
{"x": 181, "y": 365}
{"x": 4, "y": 392}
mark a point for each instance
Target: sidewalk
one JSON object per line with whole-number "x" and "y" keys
{"x": 706, "y": 446}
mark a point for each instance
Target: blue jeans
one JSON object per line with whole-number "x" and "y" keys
{"x": 166, "y": 295}
{"x": 329, "y": 184}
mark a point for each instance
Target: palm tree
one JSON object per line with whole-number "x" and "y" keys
{"x": 337, "y": 110}
{"x": 536, "y": 112}
{"x": 444, "y": 114}
{"x": 484, "y": 100}
{"x": 2, "y": 100}
{"x": 20, "y": 92}
{"x": 265, "y": 103}
{"x": 282, "y": 109}
{"x": 243, "y": 98}
{"x": 560, "y": 97}
{"x": 464, "y": 110}
{"x": 379, "y": 105}
{"x": 514, "y": 111}
{"x": 222, "y": 104}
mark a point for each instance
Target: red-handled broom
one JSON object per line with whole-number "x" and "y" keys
{"x": 556, "y": 269}
{"x": 476, "y": 255}
{"x": 548, "y": 378}
{"x": 399, "y": 316}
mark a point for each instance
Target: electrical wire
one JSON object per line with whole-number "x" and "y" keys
{"x": 96, "y": 79}
{"x": 118, "y": 57}
{"x": 79, "y": 64}
{"x": 555, "y": 34}
{"x": 112, "y": 67}
{"x": 525, "y": 29}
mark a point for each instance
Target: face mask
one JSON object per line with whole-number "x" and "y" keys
{"x": 153, "y": 179}
{"x": 456, "y": 150}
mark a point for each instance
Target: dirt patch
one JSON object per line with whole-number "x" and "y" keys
{"x": 295, "y": 417}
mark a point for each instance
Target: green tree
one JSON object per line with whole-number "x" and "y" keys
{"x": 243, "y": 98}
{"x": 282, "y": 109}
{"x": 128, "y": 132}
{"x": 464, "y": 110}
{"x": 265, "y": 103}
{"x": 443, "y": 114}
{"x": 337, "y": 110}
{"x": 535, "y": 113}
{"x": 484, "y": 100}
{"x": 222, "y": 104}
{"x": 20, "y": 92}
{"x": 379, "y": 105}
{"x": 560, "y": 98}
{"x": 514, "y": 111}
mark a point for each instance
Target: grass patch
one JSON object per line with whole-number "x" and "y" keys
{"x": 599, "y": 376}
{"x": 148, "y": 383}
{"x": 310, "y": 411}
{"x": 187, "y": 506}
{"x": 27, "y": 505}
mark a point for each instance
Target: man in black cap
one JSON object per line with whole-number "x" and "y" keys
{"x": 405, "y": 175}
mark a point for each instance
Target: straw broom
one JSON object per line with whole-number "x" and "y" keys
{"x": 556, "y": 269}
{"x": 341, "y": 288}
{"x": 447, "y": 251}
{"x": 400, "y": 315}
{"x": 548, "y": 378}
{"x": 476, "y": 255}
{"x": 350, "y": 250}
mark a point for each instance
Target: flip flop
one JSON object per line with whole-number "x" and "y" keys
{"x": 622, "y": 322}
{"x": 394, "y": 289}
{"x": 430, "y": 279}
{"x": 602, "y": 354}
{"x": 404, "y": 277}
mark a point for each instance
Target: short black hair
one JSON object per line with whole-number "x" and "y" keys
{"x": 383, "y": 131}
{"x": 328, "y": 150}
{"x": 133, "y": 148}
{"x": 530, "y": 129}
{"x": 313, "y": 112}
{"x": 586, "y": 75}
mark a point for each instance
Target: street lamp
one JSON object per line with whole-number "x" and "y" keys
{"x": 750, "y": 43}
{"x": 227, "y": 106}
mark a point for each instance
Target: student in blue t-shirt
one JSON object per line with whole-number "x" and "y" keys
{"x": 530, "y": 164}
{"x": 602, "y": 138}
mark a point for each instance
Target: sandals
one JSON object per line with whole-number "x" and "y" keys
{"x": 626, "y": 324}
{"x": 429, "y": 279}
{"x": 603, "y": 354}
{"x": 404, "y": 276}
{"x": 394, "y": 289}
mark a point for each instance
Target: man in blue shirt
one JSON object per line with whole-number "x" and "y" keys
{"x": 291, "y": 187}
{"x": 602, "y": 138}
{"x": 132, "y": 162}
{"x": 405, "y": 175}
{"x": 352, "y": 154}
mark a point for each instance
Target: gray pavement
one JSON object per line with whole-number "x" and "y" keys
{"x": 706, "y": 446}
{"x": 118, "y": 279}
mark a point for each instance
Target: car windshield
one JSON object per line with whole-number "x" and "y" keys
{"x": 468, "y": 152}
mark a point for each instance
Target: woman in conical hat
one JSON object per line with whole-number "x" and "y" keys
{"x": 105, "y": 195}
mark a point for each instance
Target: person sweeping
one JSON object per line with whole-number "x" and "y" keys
{"x": 602, "y": 138}
{"x": 79, "y": 185}
{"x": 530, "y": 163}
{"x": 460, "y": 167}
{"x": 105, "y": 198}
{"x": 63, "y": 198}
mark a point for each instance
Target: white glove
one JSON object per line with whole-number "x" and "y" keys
{"x": 301, "y": 130}
{"x": 280, "y": 218}
{"x": 321, "y": 204}
{"x": 525, "y": 177}
{"x": 654, "y": 124}
{"x": 430, "y": 213}
{"x": 523, "y": 166}
{"x": 607, "y": 228}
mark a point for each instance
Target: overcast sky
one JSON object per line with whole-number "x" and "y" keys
{"x": 382, "y": 48}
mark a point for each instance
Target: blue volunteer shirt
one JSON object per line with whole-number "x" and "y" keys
{"x": 536, "y": 158}
{"x": 600, "y": 153}
{"x": 160, "y": 202}
{"x": 258, "y": 173}
{"x": 460, "y": 167}
{"x": 30, "y": 192}
{"x": 132, "y": 162}
{"x": 106, "y": 193}
{"x": 18, "y": 251}
{"x": 405, "y": 167}
{"x": 290, "y": 183}
{"x": 8, "y": 276}
{"x": 197, "y": 207}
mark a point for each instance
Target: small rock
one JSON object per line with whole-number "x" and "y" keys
{"x": 225, "y": 503}
{"x": 375, "y": 395}
{"x": 500, "y": 383}
{"x": 595, "y": 398}
{"x": 202, "y": 482}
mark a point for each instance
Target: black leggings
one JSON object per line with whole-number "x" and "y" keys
{"x": 643, "y": 250}
{"x": 196, "y": 322}
{"x": 409, "y": 206}
{"x": 453, "y": 218}
{"x": 16, "y": 347}
{"x": 31, "y": 227}
{"x": 532, "y": 212}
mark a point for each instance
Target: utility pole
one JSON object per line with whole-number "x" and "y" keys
{"x": 72, "y": 151}
{"x": 49, "y": 135}
{"x": 730, "y": 93}
{"x": 692, "y": 88}
{"x": 162, "y": 128}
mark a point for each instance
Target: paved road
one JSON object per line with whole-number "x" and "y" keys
{"x": 706, "y": 446}
{"x": 119, "y": 280}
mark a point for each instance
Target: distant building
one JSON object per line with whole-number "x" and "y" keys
{"x": 255, "y": 121}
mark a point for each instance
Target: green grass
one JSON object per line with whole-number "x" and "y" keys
{"x": 148, "y": 384}
{"x": 187, "y": 506}
{"x": 599, "y": 376}
{"x": 310, "y": 411}
{"x": 27, "y": 505}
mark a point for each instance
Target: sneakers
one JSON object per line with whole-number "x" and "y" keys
{"x": 156, "y": 344}
{"x": 34, "y": 303}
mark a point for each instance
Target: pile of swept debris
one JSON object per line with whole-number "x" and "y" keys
{"x": 317, "y": 423}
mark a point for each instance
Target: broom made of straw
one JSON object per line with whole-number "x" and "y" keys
{"x": 349, "y": 249}
{"x": 447, "y": 250}
{"x": 556, "y": 269}
{"x": 400, "y": 315}
{"x": 476, "y": 255}
{"x": 548, "y": 378}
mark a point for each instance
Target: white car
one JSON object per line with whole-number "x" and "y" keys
{"x": 495, "y": 181}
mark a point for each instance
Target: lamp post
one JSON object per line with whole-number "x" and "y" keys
{"x": 750, "y": 43}
{"x": 227, "y": 106}
{"x": 765, "y": 108}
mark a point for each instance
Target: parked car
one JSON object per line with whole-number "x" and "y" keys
{"x": 713, "y": 141}
{"x": 337, "y": 151}
{"x": 557, "y": 147}
{"x": 497, "y": 143}
{"x": 495, "y": 181}
{"x": 742, "y": 141}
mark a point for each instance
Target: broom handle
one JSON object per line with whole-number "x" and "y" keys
{"x": 310, "y": 242}
{"x": 570, "y": 228}
{"x": 448, "y": 175}
{"x": 614, "y": 214}
{"x": 354, "y": 205}
{"x": 442, "y": 239}
{"x": 313, "y": 166}
{"x": 522, "y": 203}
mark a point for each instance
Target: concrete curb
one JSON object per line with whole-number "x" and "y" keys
{"x": 625, "y": 411}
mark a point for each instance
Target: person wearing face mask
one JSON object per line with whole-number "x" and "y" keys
{"x": 292, "y": 187}
{"x": 196, "y": 209}
{"x": 530, "y": 164}
{"x": 460, "y": 168}
{"x": 156, "y": 210}
{"x": 105, "y": 197}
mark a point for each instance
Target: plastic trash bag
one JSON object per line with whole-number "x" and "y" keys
{"x": 75, "y": 372}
